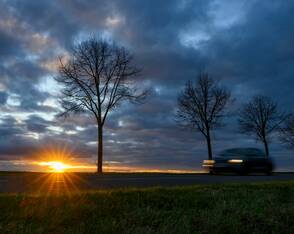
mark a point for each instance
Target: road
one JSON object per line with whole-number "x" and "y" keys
{"x": 69, "y": 182}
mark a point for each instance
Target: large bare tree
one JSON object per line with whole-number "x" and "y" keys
{"x": 97, "y": 78}
{"x": 201, "y": 106}
{"x": 261, "y": 117}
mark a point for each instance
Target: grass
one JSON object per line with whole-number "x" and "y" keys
{"x": 246, "y": 208}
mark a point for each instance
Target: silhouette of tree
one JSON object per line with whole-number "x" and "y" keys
{"x": 287, "y": 131}
{"x": 260, "y": 117}
{"x": 98, "y": 77}
{"x": 201, "y": 106}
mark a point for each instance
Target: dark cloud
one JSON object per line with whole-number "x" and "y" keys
{"x": 247, "y": 45}
{"x": 3, "y": 98}
{"x": 37, "y": 124}
{"x": 9, "y": 46}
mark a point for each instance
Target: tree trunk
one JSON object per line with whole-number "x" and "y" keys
{"x": 209, "y": 145}
{"x": 266, "y": 148}
{"x": 100, "y": 149}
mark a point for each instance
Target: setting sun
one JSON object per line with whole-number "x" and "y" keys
{"x": 58, "y": 166}
{"x": 55, "y": 166}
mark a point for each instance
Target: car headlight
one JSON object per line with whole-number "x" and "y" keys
{"x": 208, "y": 161}
{"x": 235, "y": 161}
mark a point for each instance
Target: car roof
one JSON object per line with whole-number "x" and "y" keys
{"x": 242, "y": 152}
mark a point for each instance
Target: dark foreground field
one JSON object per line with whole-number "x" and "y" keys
{"x": 245, "y": 208}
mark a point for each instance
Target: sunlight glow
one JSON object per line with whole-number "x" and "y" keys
{"x": 60, "y": 167}
{"x": 55, "y": 166}
{"x": 57, "y": 159}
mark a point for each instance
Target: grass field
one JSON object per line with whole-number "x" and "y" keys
{"x": 246, "y": 208}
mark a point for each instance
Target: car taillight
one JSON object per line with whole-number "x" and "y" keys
{"x": 235, "y": 161}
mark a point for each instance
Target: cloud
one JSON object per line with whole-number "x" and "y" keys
{"x": 3, "y": 98}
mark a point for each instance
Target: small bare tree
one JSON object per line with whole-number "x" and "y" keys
{"x": 201, "y": 106}
{"x": 97, "y": 78}
{"x": 287, "y": 131}
{"x": 260, "y": 117}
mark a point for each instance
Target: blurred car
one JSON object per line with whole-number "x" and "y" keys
{"x": 240, "y": 161}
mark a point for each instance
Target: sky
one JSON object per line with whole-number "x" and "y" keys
{"x": 247, "y": 45}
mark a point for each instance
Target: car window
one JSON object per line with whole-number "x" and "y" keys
{"x": 242, "y": 152}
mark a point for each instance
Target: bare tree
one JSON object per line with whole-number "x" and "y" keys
{"x": 287, "y": 131}
{"x": 97, "y": 78}
{"x": 201, "y": 106}
{"x": 260, "y": 117}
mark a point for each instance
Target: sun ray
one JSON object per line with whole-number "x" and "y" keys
{"x": 59, "y": 179}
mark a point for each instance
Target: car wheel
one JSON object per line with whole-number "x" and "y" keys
{"x": 269, "y": 170}
{"x": 212, "y": 172}
{"x": 243, "y": 171}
